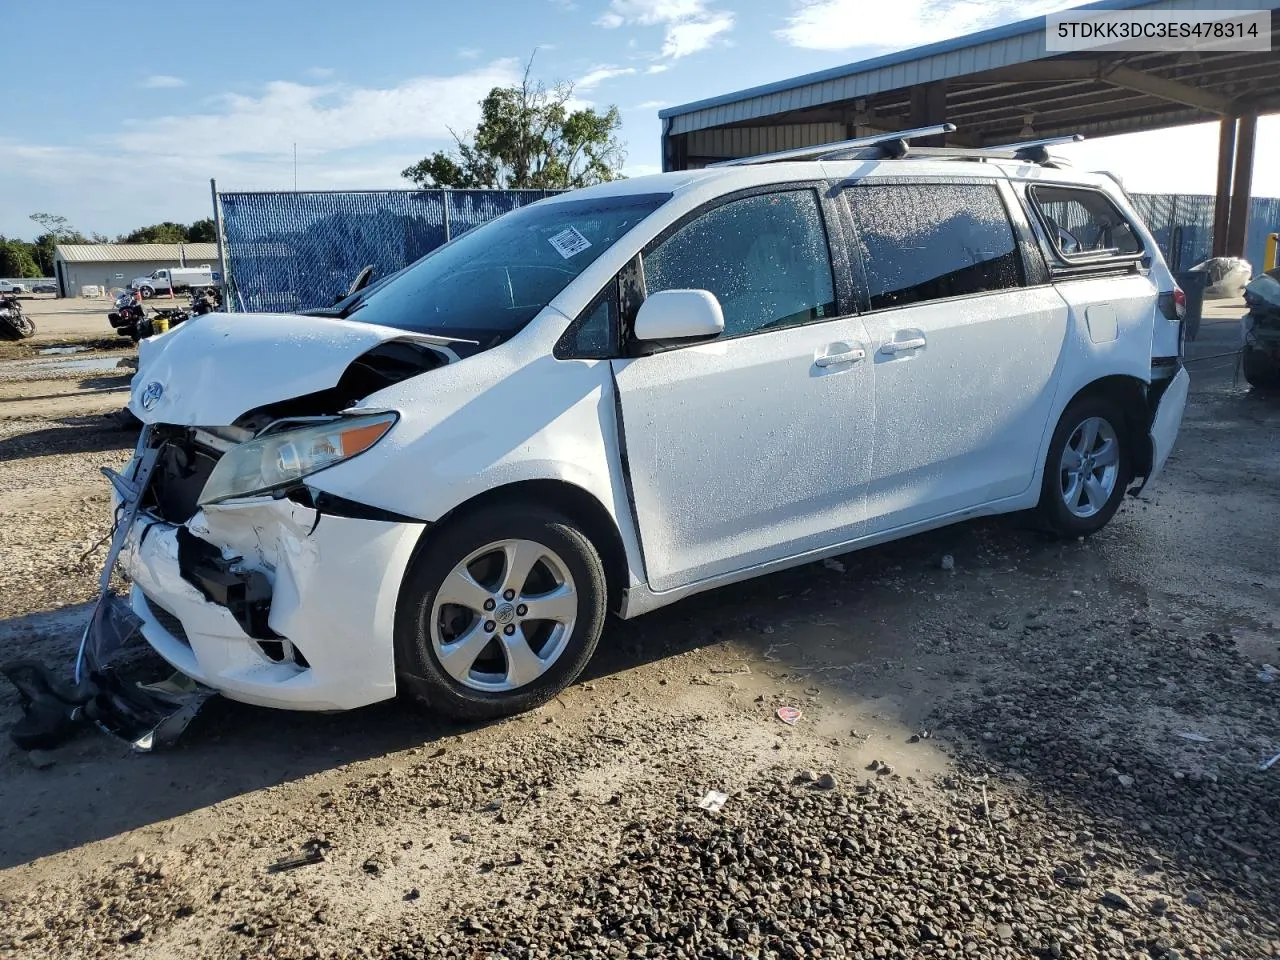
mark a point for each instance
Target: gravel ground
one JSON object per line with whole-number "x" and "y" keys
{"x": 1008, "y": 747}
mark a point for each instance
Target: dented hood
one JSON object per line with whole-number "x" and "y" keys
{"x": 213, "y": 368}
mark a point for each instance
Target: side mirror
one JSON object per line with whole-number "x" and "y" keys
{"x": 679, "y": 315}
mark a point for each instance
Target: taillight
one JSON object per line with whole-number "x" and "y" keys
{"x": 1173, "y": 305}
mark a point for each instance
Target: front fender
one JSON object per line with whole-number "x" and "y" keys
{"x": 489, "y": 422}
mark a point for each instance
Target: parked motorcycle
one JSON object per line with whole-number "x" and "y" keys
{"x": 14, "y": 324}
{"x": 128, "y": 316}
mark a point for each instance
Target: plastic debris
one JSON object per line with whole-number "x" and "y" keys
{"x": 789, "y": 715}
{"x": 1268, "y": 764}
{"x": 713, "y": 801}
{"x": 948, "y": 562}
{"x": 1194, "y": 737}
{"x": 835, "y": 565}
{"x": 313, "y": 852}
{"x": 1269, "y": 673}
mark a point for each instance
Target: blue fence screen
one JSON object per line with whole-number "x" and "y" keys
{"x": 1182, "y": 224}
{"x": 295, "y": 251}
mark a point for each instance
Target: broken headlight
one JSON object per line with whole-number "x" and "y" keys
{"x": 279, "y": 460}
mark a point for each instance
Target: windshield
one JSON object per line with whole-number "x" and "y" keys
{"x": 491, "y": 281}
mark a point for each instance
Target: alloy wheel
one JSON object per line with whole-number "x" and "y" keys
{"x": 503, "y": 615}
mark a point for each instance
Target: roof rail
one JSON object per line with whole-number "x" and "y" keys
{"x": 894, "y": 144}
{"x": 1033, "y": 151}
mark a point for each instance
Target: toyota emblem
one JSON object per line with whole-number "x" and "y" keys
{"x": 151, "y": 394}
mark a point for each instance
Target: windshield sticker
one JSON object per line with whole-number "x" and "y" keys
{"x": 569, "y": 242}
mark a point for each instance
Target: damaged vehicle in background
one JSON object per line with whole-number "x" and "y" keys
{"x": 625, "y": 395}
{"x": 1260, "y": 329}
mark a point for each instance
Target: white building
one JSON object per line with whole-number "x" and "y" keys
{"x": 111, "y": 265}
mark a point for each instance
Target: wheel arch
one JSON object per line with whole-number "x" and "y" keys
{"x": 576, "y": 504}
{"x": 1132, "y": 396}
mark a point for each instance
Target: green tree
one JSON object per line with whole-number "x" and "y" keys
{"x": 167, "y": 232}
{"x": 202, "y": 231}
{"x": 56, "y": 230}
{"x": 528, "y": 137}
{"x": 16, "y": 260}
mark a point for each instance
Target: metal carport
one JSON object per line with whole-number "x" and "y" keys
{"x": 1002, "y": 85}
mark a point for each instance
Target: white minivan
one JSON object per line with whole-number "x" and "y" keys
{"x": 624, "y": 395}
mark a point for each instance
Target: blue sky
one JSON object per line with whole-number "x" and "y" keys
{"x": 126, "y": 109}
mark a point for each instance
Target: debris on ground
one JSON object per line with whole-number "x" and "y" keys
{"x": 789, "y": 715}
{"x": 713, "y": 800}
{"x": 832, "y": 564}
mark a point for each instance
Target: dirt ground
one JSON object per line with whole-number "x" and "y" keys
{"x": 1030, "y": 749}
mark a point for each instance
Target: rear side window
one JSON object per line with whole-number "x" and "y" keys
{"x": 764, "y": 257}
{"x": 1084, "y": 223}
{"x": 921, "y": 242}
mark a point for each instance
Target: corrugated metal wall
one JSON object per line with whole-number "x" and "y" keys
{"x": 751, "y": 141}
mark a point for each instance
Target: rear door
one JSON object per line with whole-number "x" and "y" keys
{"x": 966, "y": 350}
{"x": 755, "y": 446}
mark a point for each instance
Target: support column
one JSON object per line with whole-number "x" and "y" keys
{"x": 1222, "y": 196}
{"x": 1242, "y": 186}
{"x": 928, "y": 107}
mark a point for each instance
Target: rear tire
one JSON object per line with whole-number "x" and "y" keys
{"x": 466, "y": 646}
{"x": 1087, "y": 469}
{"x": 1260, "y": 369}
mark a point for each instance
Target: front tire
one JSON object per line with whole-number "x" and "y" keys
{"x": 1088, "y": 467}
{"x": 1261, "y": 370}
{"x": 147, "y": 293}
{"x": 499, "y": 612}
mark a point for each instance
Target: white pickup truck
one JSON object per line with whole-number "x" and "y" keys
{"x": 174, "y": 280}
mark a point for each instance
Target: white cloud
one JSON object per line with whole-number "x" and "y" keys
{"x": 683, "y": 39}
{"x": 659, "y": 68}
{"x": 600, "y": 74}
{"x": 651, "y": 13}
{"x": 651, "y": 105}
{"x": 320, "y": 118}
{"x": 689, "y": 25}
{"x": 320, "y": 73}
{"x": 842, "y": 24}
{"x": 468, "y": 53}
{"x": 162, "y": 81}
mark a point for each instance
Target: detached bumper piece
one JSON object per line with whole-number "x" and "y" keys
{"x": 145, "y": 716}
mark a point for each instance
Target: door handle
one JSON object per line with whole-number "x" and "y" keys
{"x": 894, "y": 347}
{"x": 846, "y": 356}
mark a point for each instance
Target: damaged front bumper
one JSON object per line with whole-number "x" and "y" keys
{"x": 272, "y": 602}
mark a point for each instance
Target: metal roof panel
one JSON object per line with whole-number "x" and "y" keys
{"x": 135, "y": 252}
{"x": 984, "y": 50}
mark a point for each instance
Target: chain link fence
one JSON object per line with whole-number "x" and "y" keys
{"x": 1182, "y": 224}
{"x": 296, "y": 251}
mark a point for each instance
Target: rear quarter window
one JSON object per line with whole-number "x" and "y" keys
{"x": 1084, "y": 224}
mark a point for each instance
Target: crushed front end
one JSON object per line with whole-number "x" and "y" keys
{"x": 283, "y": 597}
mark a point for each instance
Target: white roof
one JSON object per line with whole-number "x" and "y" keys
{"x": 130, "y": 252}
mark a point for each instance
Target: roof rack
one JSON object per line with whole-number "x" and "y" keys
{"x": 895, "y": 143}
{"x": 1033, "y": 151}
